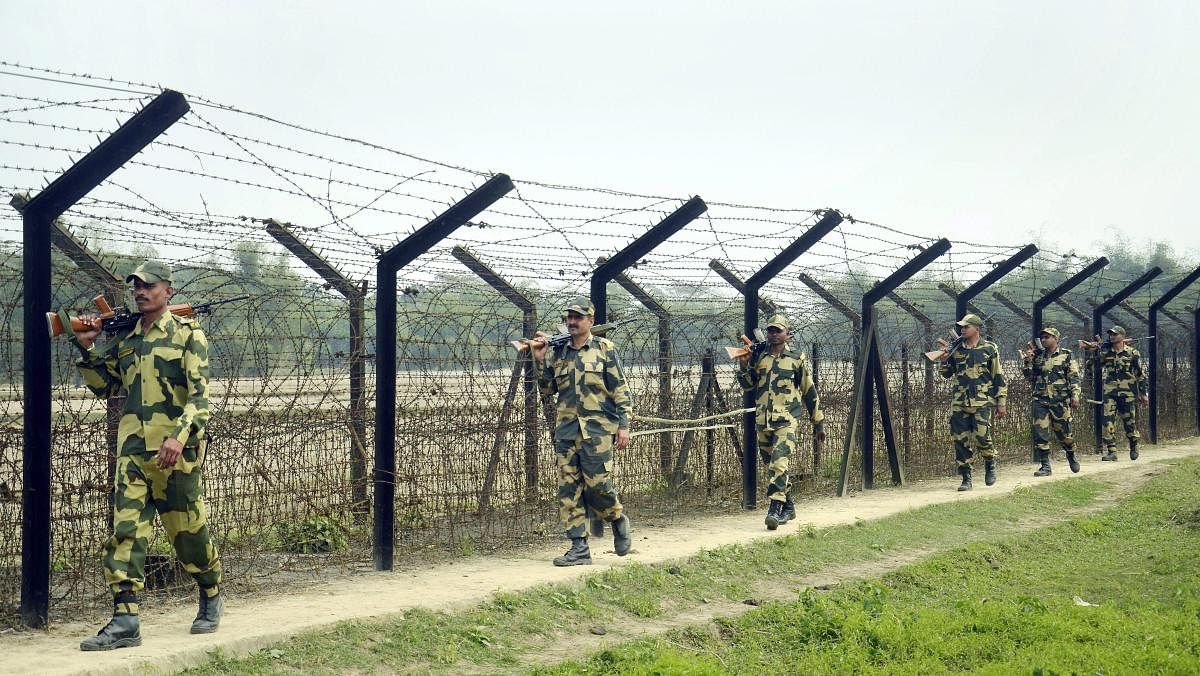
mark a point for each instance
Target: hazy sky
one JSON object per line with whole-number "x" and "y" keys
{"x": 993, "y": 122}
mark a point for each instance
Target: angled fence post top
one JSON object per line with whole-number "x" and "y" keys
{"x": 508, "y": 291}
{"x": 85, "y": 259}
{"x": 656, "y": 235}
{"x": 830, "y": 220}
{"x": 620, "y": 261}
{"x": 827, "y": 296}
{"x": 1049, "y": 296}
{"x": 993, "y": 276}
{"x": 1126, "y": 292}
{"x": 1012, "y": 307}
{"x": 113, "y": 152}
{"x": 739, "y": 284}
{"x": 440, "y": 227}
{"x": 912, "y": 267}
{"x": 656, "y": 308}
{"x": 282, "y": 232}
{"x": 911, "y": 309}
{"x": 1175, "y": 290}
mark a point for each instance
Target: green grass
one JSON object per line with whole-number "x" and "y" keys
{"x": 991, "y": 607}
{"x": 511, "y": 627}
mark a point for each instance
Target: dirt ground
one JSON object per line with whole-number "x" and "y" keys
{"x": 252, "y": 623}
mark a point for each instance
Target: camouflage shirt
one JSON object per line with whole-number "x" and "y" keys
{"x": 593, "y": 398}
{"x": 164, "y": 373}
{"x": 978, "y": 380}
{"x": 1055, "y": 377}
{"x": 1122, "y": 370}
{"x": 779, "y": 385}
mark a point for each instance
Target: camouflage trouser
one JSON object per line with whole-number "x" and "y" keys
{"x": 177, "y": 496}
{"x": 775, "y": 446}
{"x": 1125, "y": 405}
{"x": 1050, "y": 416}
{"x": 583, "y": 468}
{"x": 971, "y": 427}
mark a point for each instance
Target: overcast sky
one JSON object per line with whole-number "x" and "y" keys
{"x": 994, "y": 122}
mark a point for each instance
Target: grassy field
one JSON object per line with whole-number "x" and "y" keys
{"x": 999, "y": 597}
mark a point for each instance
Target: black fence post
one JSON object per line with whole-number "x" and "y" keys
{"x": 767, "y": 305}
{"x": 355, "y": 294}
{"x": 37, "y": 225}
{"x": 989, "y": 325}
{"x": 1055, "y": 295}
{"x": 876, "y": 382}
{"x": 90, "y": 263}
{"x": 529, "y": 389}
{"x": 927, "y": 367}
{"x": 390, "y": 263}
{"x": 666, "y": 451}
{"x": 1097, "y": 313}
{"x": 828, "y": 222}
{"x": 620, "y": 261}
{"x": 968, "y": 294}
{"x": 1152, "y": 330}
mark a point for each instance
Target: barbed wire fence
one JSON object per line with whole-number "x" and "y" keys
{"x": 287, "y": 470}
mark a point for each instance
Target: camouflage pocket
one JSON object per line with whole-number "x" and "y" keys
{"x": 593, "y": 374}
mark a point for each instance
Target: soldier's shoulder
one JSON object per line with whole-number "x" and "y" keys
{"x": 990, "y": 346}
{"x": 798, "y": 355}
{"x": 605, "y": 344}
{"x": 189, "y": 322}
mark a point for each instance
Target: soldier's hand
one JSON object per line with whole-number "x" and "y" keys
{"x": 1145, "y": 399}
{"x": 622, "y": 439}
{"x": 87, "y": 336}
{"x": 1001, "y": 411}
{"x": 168, "y": 454}
{"x": 820, "y": 434}
{"x": 1074, "y": 403}
{"x": 538, "y": 348}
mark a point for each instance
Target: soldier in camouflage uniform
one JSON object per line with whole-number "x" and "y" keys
{"x": 781, "y": 380}
{"x": 1054, "y": 377}
{"x": 1124, "y": 386}
{"x": 162, "y": 365}
{"x": 978, "y": 388}
{"x": 594, "y": 408}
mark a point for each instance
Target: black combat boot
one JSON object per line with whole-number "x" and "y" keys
{"x": 989, "y": 471}
{"x": 1044, "y": 469}
{"x": 789, "y": 510}
{"x": 621, "y": 539}
{"x": 209, "y": 616}
{"x": 577, "y": 555}
{"x": 1111, "y": 456}
{"x": 1072, "y": 461}
{"x": 965, "y": 471}
{"x": 1133, "y": 454}
{"x": 122, "y": 631}
{"x": 775, "y": 515}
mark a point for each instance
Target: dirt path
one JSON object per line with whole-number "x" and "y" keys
{"x": 253, "y": 623}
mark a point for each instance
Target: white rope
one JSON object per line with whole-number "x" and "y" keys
{"x": 678, "y": 429}
{"x": 669, "y": 421}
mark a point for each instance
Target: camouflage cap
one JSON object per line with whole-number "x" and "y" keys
{"x": 582, "y": 306}
{"x": 151, "y": 272}
{"x": 971, "y": 319}
{"x": 1050, "y": 331}
{"x": 779, "y": 322}
{"x": 1116, "y": 330}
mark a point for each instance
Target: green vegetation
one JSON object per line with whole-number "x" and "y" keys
{"x": 314, "y": 535}
{"x": 1116, "y": 592}
{"x": 1001, "y": 598}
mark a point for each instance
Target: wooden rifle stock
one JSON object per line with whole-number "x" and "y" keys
{"x": 112, "y": 321}
{"x": 561, "y": 338}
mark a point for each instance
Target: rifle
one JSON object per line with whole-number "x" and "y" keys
{"x": 749, "y": 347}
{"x": 1107, "y": 345}
{"x": 122, "y": 320}
{"x": 560, "y": 339}
{"x": 950, "y": 348}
